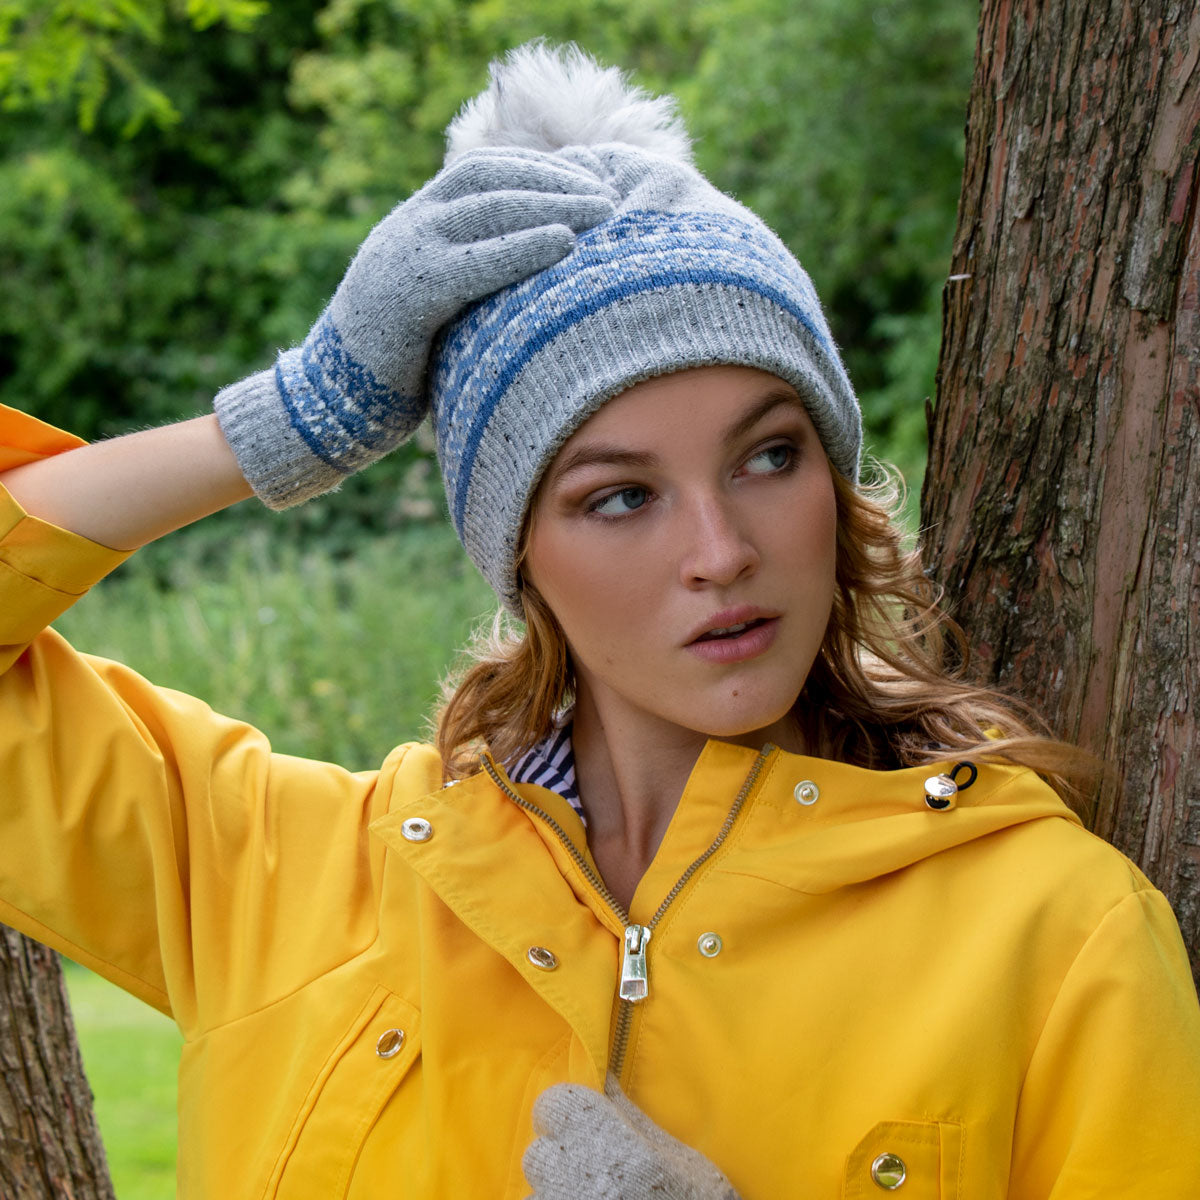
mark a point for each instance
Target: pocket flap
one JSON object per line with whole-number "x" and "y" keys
{"x": 918, "y": 1160}
{"x": 347, "y": 1096}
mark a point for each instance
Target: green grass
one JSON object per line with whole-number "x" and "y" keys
{"x": 131, "y": 1053}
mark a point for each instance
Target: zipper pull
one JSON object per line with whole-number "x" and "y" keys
{"x": 635, "y": 982}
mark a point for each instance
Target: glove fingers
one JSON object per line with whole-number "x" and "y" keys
{"x": 473, "y": 218}
{"x": 565, "y": 1104}
{"x": 526, "y": 171}
{"x": 511, "y": 257}
{"x": 637, "y": 1120}
{"x": 657, "y": 1138}
{"x": 588, "y": 1166}
{"x": 599, "y": 1147}
{"x": 688, "y": 1162}
{"x": 634, "y": 1117}
{"x": 546, "y": 1168}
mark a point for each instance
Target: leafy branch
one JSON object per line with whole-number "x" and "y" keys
{"x": 75, "y": 51}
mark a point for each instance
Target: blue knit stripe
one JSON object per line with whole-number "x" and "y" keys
{"x": 343, "y": 413}
{"x": 638, "y": 253}
{"x": 291, "y": 385}
{"x": 578, "y": 287}
{"x": 626, "y": 244}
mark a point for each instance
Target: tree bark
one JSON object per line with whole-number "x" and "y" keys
{"x": 50, "y": 1148}
{"x": 1064, "y": 475}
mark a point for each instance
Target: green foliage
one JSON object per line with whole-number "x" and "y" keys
{"x": 160, "y": 252}
{"x": 70, "y": 50}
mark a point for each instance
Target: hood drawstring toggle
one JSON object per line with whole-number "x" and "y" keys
{"x": 941, "y": 791}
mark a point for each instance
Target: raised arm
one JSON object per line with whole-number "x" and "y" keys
{"x": 128, "y": 491}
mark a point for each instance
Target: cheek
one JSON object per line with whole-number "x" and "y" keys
{"x": 811, "y": 563}
{"x": 825, "y": 532}
{"x": 600, "y": 595}
{"x": 813, "y": 528}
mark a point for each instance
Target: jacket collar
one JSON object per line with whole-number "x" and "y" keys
{"x": 810, "y": 824}
{"x": 512, "y": 881}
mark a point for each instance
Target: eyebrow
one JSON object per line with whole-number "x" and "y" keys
{"x": 772, "y": 400}
{"x": 607, "y": 454}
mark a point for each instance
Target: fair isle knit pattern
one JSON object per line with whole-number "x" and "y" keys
{"x": 343, "y": 413}
{"x": 646, "y": 293}
{"x": 680, "y": 276}
{"x": 568, "y": 251}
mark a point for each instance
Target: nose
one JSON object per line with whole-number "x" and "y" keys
{"x": 717, "y": 548}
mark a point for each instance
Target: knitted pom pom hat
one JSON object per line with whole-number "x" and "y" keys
{"x": 681, "y": 276}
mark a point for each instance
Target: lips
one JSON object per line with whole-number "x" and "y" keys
{"x": 729, "y": 631}
{"x": 735, "y": 635}
{"x": 731, "y": 623}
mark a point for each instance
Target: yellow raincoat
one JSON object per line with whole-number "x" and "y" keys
{"x": 376, "y": 976}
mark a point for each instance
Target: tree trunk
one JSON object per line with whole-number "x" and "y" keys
{"x": 1064, "y": 474}
{"x": 50, "y": 1148}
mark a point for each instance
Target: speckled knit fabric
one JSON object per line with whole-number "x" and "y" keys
{"x": 594, "y": 1146}
{"x": 681, "y": 276}
{"x": 356, "y": 388}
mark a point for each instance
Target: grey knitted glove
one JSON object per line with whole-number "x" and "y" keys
{"x": 603, "y": 1147}
{"x": 356, "y": 388}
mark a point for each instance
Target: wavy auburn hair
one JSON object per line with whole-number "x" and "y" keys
{"x": 889, "y": 687}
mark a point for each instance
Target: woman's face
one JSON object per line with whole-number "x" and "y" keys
{"x": 684, "y": 538}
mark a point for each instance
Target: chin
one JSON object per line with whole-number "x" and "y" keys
{"x": 758, "y": 732}
{"x": 733, "y": 720}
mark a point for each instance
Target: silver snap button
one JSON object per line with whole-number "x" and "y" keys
{"x": 710, "y": 944}
{"x": 888, "y": 1171}
{"x": 416, "y": 829}
{"x": 807, "y": 792}
{"x": 941, "y": 792}
{"x": 541, "y": 957}
{"x": 389, "y": 1043}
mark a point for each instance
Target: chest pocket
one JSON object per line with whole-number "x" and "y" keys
{"x": 916, "y": 1160}
{"x": 346, "y": 1098}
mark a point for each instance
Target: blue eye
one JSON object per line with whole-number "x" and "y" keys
{"x": 617, "y": 504}
{"x": 773, "y": 458}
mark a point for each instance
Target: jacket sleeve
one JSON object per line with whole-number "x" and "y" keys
{"x": 1111, "y": 1102}
{"x": 144, "y": 835}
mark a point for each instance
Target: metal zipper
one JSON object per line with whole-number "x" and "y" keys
{"x": 634, "y": 985}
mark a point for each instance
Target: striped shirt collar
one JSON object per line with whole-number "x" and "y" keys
{"x": 550, "y": 763}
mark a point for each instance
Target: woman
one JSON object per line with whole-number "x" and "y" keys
{"x": 748, "y": 893}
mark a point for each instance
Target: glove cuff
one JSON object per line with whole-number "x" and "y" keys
{"x": 273, "y": 454}
{"x": 319, "y": 416}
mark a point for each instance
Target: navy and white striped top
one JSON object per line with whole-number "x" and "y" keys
{"x": 551, "y": 764}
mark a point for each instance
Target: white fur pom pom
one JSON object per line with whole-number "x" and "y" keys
{"x": 546, "y": 97}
